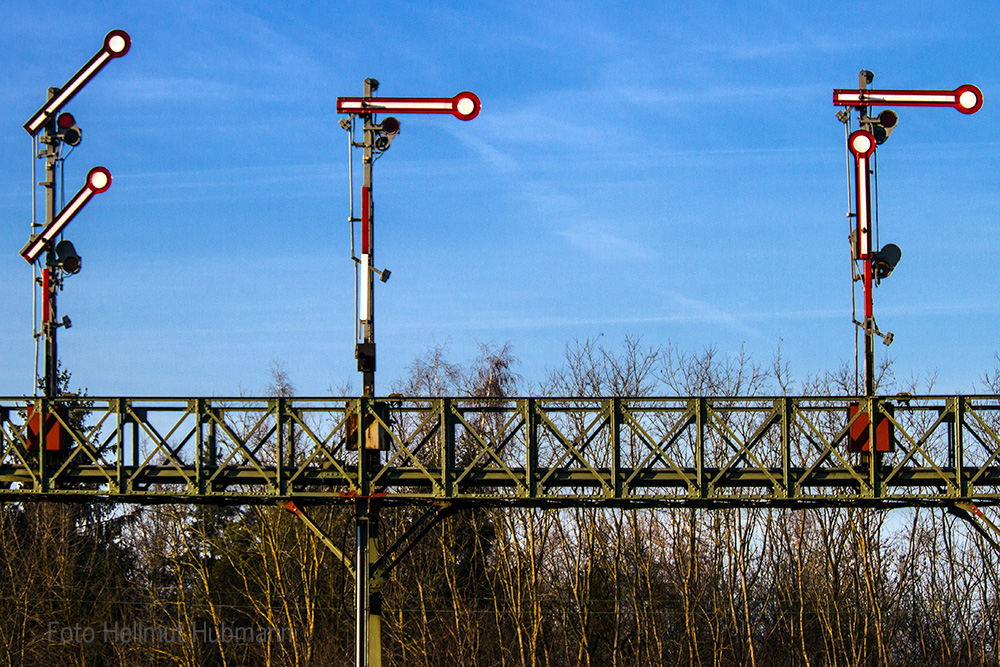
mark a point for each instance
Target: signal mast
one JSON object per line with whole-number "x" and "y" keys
{"x": 873, "y": 131}
{"x": 58, "y": 130}
{"x": 369, "y": 436}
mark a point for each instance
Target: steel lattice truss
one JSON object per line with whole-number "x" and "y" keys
{"x": 542, "y": 452}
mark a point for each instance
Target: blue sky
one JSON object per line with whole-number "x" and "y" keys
{"x": 668, "y": 170}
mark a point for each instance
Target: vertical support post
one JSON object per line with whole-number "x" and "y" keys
{"x": 50, "y": 274}
{"x": 530, "y": 407}
{"x": 869, "y": 334}
{"x": 368, "y": 596}
{"x": 447, "y": 426}
{"x": 194, "y": 405}
{"x": 874, "y": 456}
{"x": 366, "y": 350}
{"x": 786, "y": 406}
{"x": 365, "y": 553}
{"x": 374, "y": 594}
{"x": 958, "y": 442}
{"x": 361, "y": 562}
{"x": 42, "y": 408}
{"x": 280, "y": 482}
{"x": 368, "y": 647}
{"x": 207, "y": 457}
{"x": 615, "y": 424}
{"x": 135, "y": 438}
{"x": 701, "y": 424}
{"x": 121, "y": 474}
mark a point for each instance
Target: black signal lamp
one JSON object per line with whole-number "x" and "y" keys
{"x": 69, "y": 131}
{"x": 387, "y": 131}
{"x": 67, "y": 257}
{"x": 888, "y": 119}
{"x": 883, "y": 125}
{"x": 390, "y": 125}
{"x": 885, "y": 260}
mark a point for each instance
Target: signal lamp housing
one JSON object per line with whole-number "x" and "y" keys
{"x": 885, "y": 260}
{"x": 69, "y": 132}
{"x": 68, "y": 258}
{"x": 882, "y": 125}
{"x": 888, "y": 119}
{"x": 387, "y": 131}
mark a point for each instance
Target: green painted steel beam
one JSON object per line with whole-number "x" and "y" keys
{"x": 535, "y": 451}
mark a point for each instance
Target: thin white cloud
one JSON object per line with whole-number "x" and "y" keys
{"x": 679, "y": 309}
{"x": 597, "y": 242}
{"x": 486, "y": 150}
{"x": 702, "y": 311}
{"x": 256, "y": 175}
{"x": 984, "y": 306}
{"x": 178, "y": 89}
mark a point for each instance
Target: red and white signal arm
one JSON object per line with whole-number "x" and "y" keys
{"x": 116, "y": 44}
{"x": 862, "y": 145}
{"x": 968, "y": 99}
{"x": 464, "y": 106}
{"x": 98, "y": 180}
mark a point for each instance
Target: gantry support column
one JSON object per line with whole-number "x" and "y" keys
{"x": 366, "y": 519}
{"x": 50, "y": 274}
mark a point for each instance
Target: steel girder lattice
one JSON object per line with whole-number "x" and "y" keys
{"x": 542, "y": 452}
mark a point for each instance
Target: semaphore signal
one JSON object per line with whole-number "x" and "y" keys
{"x": 464, "y": 106}
{"x": 968, "y": 98}
{"x": 116, "y": 44}
{"x": 54, "y": 128}
{"x": 370, "y": 435}
{"x": 98, "y": 180}
{"x": 861, "y": 144}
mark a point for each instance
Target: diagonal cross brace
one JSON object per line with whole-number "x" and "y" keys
{"x": 974, "y": 516}
{"x": 323, "y": 537}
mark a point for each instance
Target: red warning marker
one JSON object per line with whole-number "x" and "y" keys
{"x": 968, "y": 99}
{"x": 98, "y": 180}
{"x": 464, "y": 106}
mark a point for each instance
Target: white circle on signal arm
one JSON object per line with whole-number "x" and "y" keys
{"x": 862, "y": 143}
{"x": 465, "y": 106}
{"x": 116, "y": 44}
{"x": 98, "y": 180}
{"x": 967, "y": 100}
